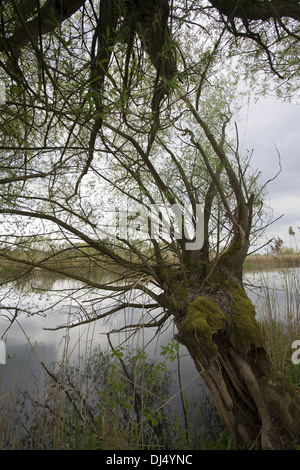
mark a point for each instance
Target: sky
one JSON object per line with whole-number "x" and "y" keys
{"x": 268, "y": 125}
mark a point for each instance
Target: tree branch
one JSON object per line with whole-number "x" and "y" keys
{"x": 258, "y": 9}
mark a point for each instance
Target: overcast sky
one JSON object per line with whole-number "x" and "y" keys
{"x": 267, "y": 125}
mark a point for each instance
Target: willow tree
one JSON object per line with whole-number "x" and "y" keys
{"x": 116, "y": 158}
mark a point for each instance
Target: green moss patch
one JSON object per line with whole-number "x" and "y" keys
{"x": 203, "y": 319}
{"x": 243, "y": 327}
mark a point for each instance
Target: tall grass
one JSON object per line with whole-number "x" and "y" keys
{"x": 276, "y": 295}
{"x": 106, "y": 400}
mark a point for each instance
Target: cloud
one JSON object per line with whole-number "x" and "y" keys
{"x": 271, "y": 128}
{"x": 289, "y": 205}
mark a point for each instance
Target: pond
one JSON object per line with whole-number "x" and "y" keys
{"x": 29, "y": 342}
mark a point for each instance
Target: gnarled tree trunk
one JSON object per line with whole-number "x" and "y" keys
{"x": 217, "y": 325}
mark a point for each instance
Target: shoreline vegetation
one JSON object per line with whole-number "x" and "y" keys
{"x": 271, "y": 261}
{"x": 84, "y": 259}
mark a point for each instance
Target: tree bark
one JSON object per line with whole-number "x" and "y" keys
{"x": 258, "y": 405}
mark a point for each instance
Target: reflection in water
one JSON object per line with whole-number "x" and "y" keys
{"x": 30, "y": 343}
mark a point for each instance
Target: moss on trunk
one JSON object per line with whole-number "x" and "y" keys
{"x": 243, "y": 327}
{"x": 203, "y": 319}
{"x": 219, "y": 329}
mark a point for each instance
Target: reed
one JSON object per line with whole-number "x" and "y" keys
{"x": 277, "y": 299}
